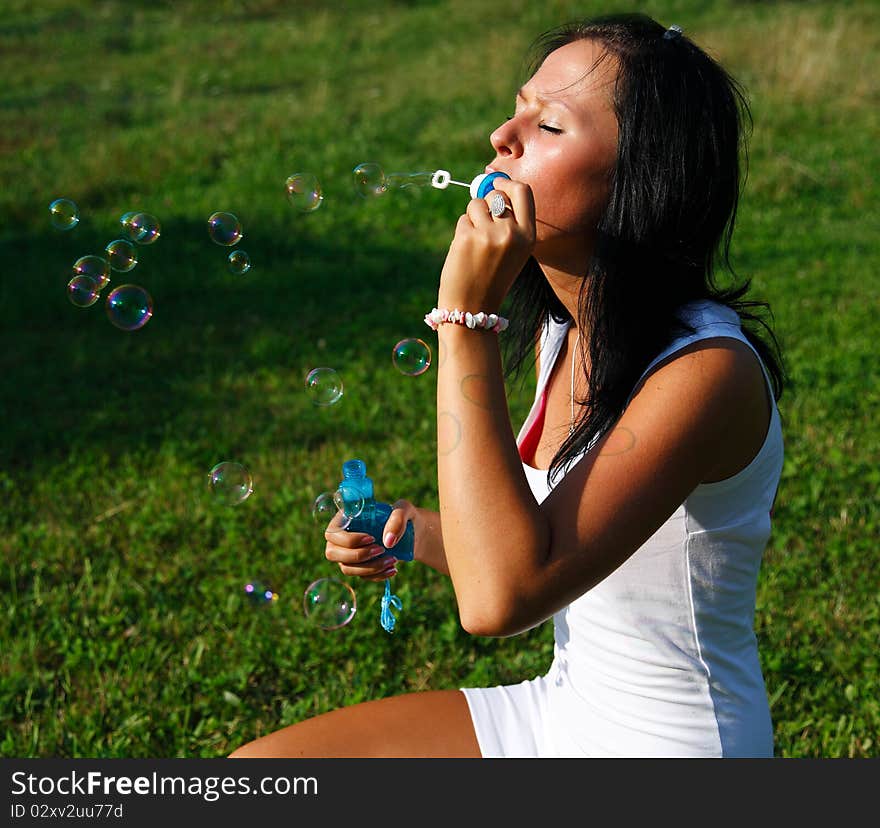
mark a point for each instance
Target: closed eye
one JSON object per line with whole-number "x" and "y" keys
{"x": 550, "y": 129}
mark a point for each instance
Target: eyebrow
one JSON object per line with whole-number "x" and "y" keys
{"x": 543, "y": 99}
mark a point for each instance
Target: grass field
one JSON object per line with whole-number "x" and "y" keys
{"x": 124, "y": 626}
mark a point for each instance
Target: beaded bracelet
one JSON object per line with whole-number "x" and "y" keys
{"x": 483, "y": 321}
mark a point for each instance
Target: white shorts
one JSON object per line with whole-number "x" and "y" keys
{"x": 510, "y": 719}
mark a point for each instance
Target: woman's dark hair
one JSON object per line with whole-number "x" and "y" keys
{"x": 667, "y": 227}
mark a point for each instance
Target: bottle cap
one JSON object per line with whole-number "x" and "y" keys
{"x": 354, "y": 468}
{"x": 482, "y": 184}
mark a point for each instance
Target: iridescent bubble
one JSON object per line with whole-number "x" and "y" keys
{"x": 95, "y": 267}
{"x": 125, "y": 221}
{"x": 304, "y": 192}
{"x": 224, "y": 229}
{"x": 349, "y": 501}
{"x": 325, "y": 508}
{"x": 329, "y": 603}
{"x": 64, "y": 214}
{"x": 129, "y": 307}
{"x": 369, "y": 180}
{"x": 230, "y": 482}
{"x": 122, "y": 255}
{"x": 407, "y": 180}
{"x": 260, "y": 594}
{"x": 411, "y": 356}
{"x": 143, "y": 228}
{"x": 238, "y": 262}
{"x": 324, "y": 386}
{"x": 83, "y": 291}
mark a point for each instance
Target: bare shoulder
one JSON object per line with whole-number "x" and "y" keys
{"x": 718, "y": 386}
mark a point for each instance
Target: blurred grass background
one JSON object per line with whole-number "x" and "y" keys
{"x": 125, "y": 630}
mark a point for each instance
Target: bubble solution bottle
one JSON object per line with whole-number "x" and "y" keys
{"x": 357, "y": 488}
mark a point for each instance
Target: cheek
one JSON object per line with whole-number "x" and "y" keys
{"x": 569, "y": 205}
{"x": 570, "y": 194}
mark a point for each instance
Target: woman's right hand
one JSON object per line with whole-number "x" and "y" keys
{"x": 357, "y": 553}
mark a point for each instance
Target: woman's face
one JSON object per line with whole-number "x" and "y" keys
{"x": 562, "y": 141}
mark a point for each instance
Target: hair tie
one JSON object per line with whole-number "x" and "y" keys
{"x": 673, "y": 32}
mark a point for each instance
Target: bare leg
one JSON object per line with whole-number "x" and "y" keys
{"x": 435, "y": 723}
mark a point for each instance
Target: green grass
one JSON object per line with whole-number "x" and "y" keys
{"x": 124, "y": 626}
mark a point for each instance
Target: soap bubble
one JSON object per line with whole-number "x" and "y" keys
{"x": 142, "y": 228}
{"x": 304, "y": 192}
{"x": 411, "y": 356}
{"x": 129, "y": 307}
{"x": 238, "y": 262}
{"x": 224, "y": 229}
{"x": 259, "y": 593}
{"x": 329, "y": 603}
{"x": 324, "y": 386}
{"x": 64, "y": 214}
{"x": 405, "y": 180}
{"x": 326, "y": 506}
{"x": 369, "y": 180}
{"x": 121, "y": 255}
{"x": 83, "y": 291}
{"x": 230, "y": 482}
{"x": 95, "y": 267}
{"x": 349, "y": 501}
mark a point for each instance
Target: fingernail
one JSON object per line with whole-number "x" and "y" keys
{"x": 369, "y": 539}
{"x": 390, "y": 573}
{"x": 389, "y": 539}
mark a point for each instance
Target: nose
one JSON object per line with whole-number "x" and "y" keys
{"x": 505, "y": 140}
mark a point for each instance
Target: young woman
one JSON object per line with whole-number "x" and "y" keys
{"x": 637, "y": 495}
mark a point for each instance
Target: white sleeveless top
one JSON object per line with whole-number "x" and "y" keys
{"x": 660, "y": 658}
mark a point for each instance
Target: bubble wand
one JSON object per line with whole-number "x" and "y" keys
{"x": 482, "y": 184}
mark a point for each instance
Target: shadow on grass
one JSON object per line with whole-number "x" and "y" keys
{"x": 224, "y": 358}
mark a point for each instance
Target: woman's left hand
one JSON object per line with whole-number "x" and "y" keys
{"x": 488, "y": 252}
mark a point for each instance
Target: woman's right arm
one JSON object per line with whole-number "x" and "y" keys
{"x": 361, "y": 557}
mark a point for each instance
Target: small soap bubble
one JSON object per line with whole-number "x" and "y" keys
{"x": 129, "y": 307}
{"x": 64, "y": 214}
{"x": 411, "y": 356}
{"x": 224, "y": 229}
{"x": 95, "y": 267}
{"x": 324, "y": 386}
{"x": 238, "y": 262}
{"x": 125, "y": 221}
{"x": 83, "y": 291}
{"x": 325, "y": 508}
{"x": 230, "y": 482}
{"x": 260, "y": 594}
{"x": 121, "y": 255}
{"x": 369, "y": 180}
{"x": 304, "y": 192}
{"x": 329, "y": 603}
{"x": 349, "y": 501}
{"x": 142, "y": 228}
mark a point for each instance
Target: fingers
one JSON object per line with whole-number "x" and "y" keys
{"x": 519, "y": 199}
{"x": 395, "y": 526}
{"x": 369, "y": 560}
{"x": 359, "y": 554}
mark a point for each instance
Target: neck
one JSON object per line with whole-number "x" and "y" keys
{"x": 566, "y": 285}
{"x": 565, "y": 273}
